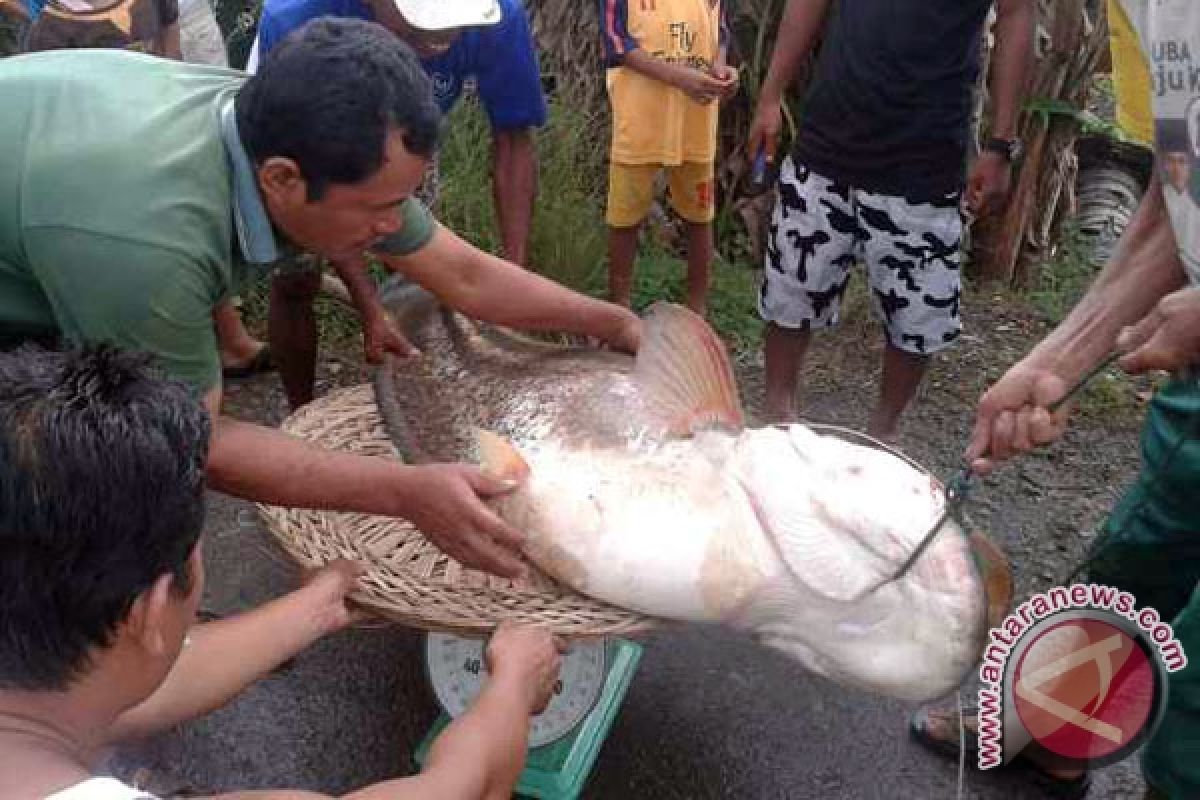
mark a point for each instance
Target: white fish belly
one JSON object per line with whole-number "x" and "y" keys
{"x": 671, "y": 539}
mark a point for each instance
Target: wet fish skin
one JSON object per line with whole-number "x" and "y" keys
{"x": 773, "y": 531}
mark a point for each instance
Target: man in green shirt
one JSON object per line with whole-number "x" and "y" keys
{"x": 136, "y": 193}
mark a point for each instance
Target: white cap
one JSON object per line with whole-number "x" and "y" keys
{"x": 440, "y": 15}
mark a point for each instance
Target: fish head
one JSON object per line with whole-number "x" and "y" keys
{"x": 843, "y": 519}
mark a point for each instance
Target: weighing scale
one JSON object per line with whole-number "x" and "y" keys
{"x": 565, "y": 739}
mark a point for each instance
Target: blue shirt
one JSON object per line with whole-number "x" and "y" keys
{"x": 500, "y": 57}
{"x": 34, "y": 7}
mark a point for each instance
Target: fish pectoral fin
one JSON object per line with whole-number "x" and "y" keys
{"x": 810, "y": 551}
{"x": 499, "y": 457}
{"x": 684, "y": 372}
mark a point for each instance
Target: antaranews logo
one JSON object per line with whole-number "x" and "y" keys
{"x": 1081, "y": 671}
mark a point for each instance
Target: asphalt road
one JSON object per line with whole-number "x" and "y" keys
{"x": 708, "y": 715}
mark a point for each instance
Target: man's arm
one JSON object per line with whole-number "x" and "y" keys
{"x": 480, "y": 755}
{"x": 491, "y": 289}
{"x": 1011, "y": 60}
{"x": 991, "y": 175}
{"x": 444, "y": 501}
{"x": 802, "y": 19}
{"x": 1144, "y": 268}
{"x": 1013, "y": 415}
{"x": 514, "y": 185}
{"x": 223, "y": 658}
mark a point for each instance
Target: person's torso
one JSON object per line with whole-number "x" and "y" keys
{"x": 117, "y": 146}
{"x": 139, "y": 25}
{"x": 890, "y": 100}
{"x": 1170, "y": 36}
{"x": 654, "y": 122}
{"x": 450, "y": 71}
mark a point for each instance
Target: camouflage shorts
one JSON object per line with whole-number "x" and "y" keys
{"x": 301, "y": 263}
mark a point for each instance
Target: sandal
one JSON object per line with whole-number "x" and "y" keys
{"x": 259, "y": 364}
{"x": 938, "y": 730}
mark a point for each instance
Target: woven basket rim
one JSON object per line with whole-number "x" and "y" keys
{"x": 408, "y": 581}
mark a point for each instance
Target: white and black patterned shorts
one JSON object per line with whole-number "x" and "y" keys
{"x": 820, "y": 228}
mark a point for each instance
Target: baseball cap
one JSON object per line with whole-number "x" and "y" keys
{"x": 439, "y": 15}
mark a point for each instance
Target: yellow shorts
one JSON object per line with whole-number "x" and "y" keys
{"x": 631, "y": 192}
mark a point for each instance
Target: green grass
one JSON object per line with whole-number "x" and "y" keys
{"x": 1060, "y": 281}
{"x": 661, "y": 276}
{"x": 568, "y": 238}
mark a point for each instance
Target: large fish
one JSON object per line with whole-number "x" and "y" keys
{"x": 641, "y": 486}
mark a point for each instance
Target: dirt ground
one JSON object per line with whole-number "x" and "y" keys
{"x": 1041, "y": 510}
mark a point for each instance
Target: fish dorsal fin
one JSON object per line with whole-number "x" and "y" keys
{"x": 684, "y": 373}
{"x": 499, "y": 458}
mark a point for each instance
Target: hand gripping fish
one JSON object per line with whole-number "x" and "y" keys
{"x": 640, "y": 485}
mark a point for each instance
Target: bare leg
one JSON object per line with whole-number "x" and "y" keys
{"x": 293, "y": 333}
{"x": 622, "y": 249}
{"x": 902, "y": 374}
{"x": 784, "y": 350}
{"x": 699, "y": 260}
{"x": 238, "y": 347}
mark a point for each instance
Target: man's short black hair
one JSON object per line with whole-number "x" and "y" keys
{"x": 101, "y": 492}
{"x": 326, "y": 97}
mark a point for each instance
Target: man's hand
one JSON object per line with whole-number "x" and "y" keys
{"x": 728, "y": 76}
{"x": 325, "y": 592}
{"x": 627, "y": 338}
{"x": 988, "y": 184}
{"x": 445, "y": 501}
{"x": 380, "y": 335}
{"x": 1168, "y": 338}
{"x": 765, "y": 129}
{"x": 700, "y": 86}
{"x": 527, "y": 659}
{"x": 1013, "y": 416}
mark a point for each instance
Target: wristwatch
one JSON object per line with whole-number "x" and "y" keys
{"x": 1011, "y": 149}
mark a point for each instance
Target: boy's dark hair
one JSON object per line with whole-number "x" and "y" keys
{"x": 326, "y": 97}
{"x": 101, "y": 492}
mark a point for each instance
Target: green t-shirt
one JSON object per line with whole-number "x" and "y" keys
{"x": 123, "y": 189}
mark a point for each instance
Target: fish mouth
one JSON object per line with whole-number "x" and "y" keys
{"x": 996, "y": 572}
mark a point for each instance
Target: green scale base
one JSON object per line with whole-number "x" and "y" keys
{"x": 559, "y": 770}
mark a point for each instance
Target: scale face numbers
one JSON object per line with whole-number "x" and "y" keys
{"x": 457, "y": 671}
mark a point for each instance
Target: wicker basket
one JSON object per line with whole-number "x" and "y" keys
{"x": 408, "y": 580}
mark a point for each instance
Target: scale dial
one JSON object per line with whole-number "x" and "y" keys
{"x": 457, "y": 671}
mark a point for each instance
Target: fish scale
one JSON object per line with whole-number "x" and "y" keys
{"x": 640, "y": 486}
